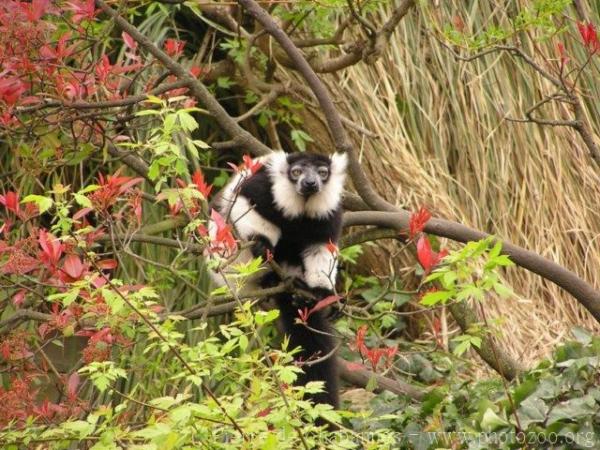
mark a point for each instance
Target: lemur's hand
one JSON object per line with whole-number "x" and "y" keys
{"x": 262, "y": 247}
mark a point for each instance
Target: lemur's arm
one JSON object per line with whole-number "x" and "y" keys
{"x": 320, "y": 268}
{"x": 251, "y": 226}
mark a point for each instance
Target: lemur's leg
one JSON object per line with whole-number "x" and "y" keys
{"x": 317, "y": 349}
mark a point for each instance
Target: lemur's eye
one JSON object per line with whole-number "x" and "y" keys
{"x": 296, "y": 172}
{"x": 323, "y": 172}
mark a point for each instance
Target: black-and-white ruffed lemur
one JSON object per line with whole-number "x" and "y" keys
{"x": 292, "y": 208}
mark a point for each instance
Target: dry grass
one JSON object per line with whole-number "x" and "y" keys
{"x": 444, "y": 143}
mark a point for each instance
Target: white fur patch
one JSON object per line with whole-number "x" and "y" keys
{"x": 319, "y": 205}
{"x": 320, "y": 267}
{"x": 284, "y": 193}
{"x": 247, "y": 222}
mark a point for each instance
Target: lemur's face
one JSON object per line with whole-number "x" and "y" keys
{"x": 309, "y": 175}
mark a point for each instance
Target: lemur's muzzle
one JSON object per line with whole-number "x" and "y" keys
{"x": 309, "y": 187}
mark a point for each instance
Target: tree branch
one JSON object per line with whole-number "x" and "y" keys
{"x": 578, "y": 288}
{"x": 197, "y": 89}
{"x": 361, "y": 377}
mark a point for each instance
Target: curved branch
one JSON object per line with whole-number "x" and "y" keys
{"x": 361, "y": 377}
{"x": 338, "y": 133}
{"x": 578, "y": 288}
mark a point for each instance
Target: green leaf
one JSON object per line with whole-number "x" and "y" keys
{"x": 188, "y": 123}
{"x": 262, "y": 317}
{"x": 492, "y": 421}
{"x": 502, "y": 290}
{"x": 147, "y": 112}
{"x": 79, "y": 427}
{"x": 243, "y": 342}
{"x": 300, "y": 138}
{"x": 433, "y": 298}
{"x": 82, "y": 200}
{"x": 43, "y": 203}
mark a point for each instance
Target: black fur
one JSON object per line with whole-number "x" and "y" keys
{"x": 296, "y": 235}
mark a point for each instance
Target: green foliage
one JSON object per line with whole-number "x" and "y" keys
{"x": 173, "y": 127}
{"x": 251, "y": 386}
{"x": 557, "y": 404}
{"x": 470, "y": 272}
{"x": 540, "y": 15}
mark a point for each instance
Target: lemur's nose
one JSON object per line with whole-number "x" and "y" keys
{"x": 309, "y": 183}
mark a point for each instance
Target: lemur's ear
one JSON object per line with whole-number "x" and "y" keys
{"x": 339, "y": 162}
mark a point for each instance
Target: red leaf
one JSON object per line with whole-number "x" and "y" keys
{"x": 52, "y": 248}
{"x": 38, "y": 8}
{"x": 196, "y": 71}
{"x": 82, "y": 213}
{"x": 325, "y": 303}
{"x": 19, "y": 297}
{"x": 418, "y": 221}
{"x": 359, "y": 343}
{"x": 427, "y": 257}
{"x": 82, "y": 9}
{"x": 424, "y": 253}
{"x": 589, "y": 36}
{"x": 304, "y": 314}
{"x": 129, "y": 183}
{"x": 250, "y": 164}
{"x": 107, "y": 264}
{"x": 374, "y": 355}
{"x": 72, "y": 385}
{"x": 73, "y": 267}
{"x": 129, "y": 42}
{"x": 201, "y": 185}
{"x": 223, "y": 238}
{"x": 10, "y": 200}
{"x": 564, "y": 59}
{"x": 331, "y": 248}
{"x": 5, "y": 349}
{"x": 173, "y": 47}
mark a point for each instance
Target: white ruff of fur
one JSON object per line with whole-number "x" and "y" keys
{"x": 317, "y": 206}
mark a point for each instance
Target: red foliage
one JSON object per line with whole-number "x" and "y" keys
{"x": 11, "y": 89}
{"x": 426, "y": 256}
{"x": 331, "y": 248}
{"x": 373, "y": 355}
{"x": 564, "y": 59}
{"x": 99, "y": 344}
{"x": 52, "y": 249}
{"x": 589, "y": 35}
{"x": 418, "y": 221}
{"x": 251, "y": 165}
{"x": 10, "y": 200}
{"x": 173, "y": 47}
{"x": 128, "y": 40}
{"x": 200, "y": 183}
{"x": 111, "y": 187}
{"x": 222, "y": 239}
{"x": 248, "y": 164}
{"x": 20, "y": 401}
{"x": 82, "y": 10}
{"x": 303, "y": 314}
{"x": 73, "y": 269}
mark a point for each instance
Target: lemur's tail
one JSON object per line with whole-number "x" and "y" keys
{"x": 317, "y": 343}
